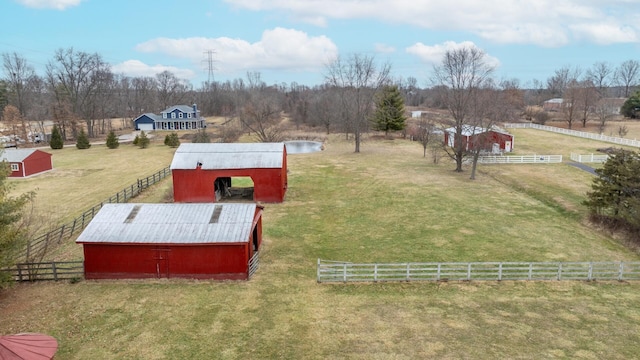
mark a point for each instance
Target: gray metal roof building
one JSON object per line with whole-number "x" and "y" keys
{"x": 215, "y": 156}
{"x": 170, "y": 223}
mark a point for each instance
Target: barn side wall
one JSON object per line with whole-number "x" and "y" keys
{"x": 196, "y": 186}
{"x": 37, "y": 162}
{"x": 135, "y": 261}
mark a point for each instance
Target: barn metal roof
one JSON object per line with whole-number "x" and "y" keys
{"x": 170, "y": 224}
{"x": 216, "y": 156}
{"x": 16, "y": 155}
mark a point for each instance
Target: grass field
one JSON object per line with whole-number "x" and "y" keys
{"x": 386, "y": 204}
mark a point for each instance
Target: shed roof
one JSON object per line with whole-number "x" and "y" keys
{"x": 17, "y": 155}
{"x": 470, "y": 130}
{"x": 217, "y": 156}
{"x": 170, "y": 224}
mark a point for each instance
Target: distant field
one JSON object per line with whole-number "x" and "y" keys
{"x": 386, "y": 204}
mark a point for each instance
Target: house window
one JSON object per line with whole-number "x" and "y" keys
{"x": 15, "y": 167}
{"x": 164, "y": 115}
{"x": 189, "y": 116}
{"x": 173, "y": 115}
{"x": 180, "y": 115}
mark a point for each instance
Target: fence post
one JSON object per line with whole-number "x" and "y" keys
{"x": 559, "y": 271}
{"x": 590, "y": 273}
{"x": 530, "y": 270}
{"x": 408, "y": 271}
{"x": 318, "y": 270}
{"x": 19, "y": 272}
{"x": 73, "y": 227}
{"x": 499, "y": 271}
{"x": 621, "y": 272}
{"x": 438, "y": 274}
{"x": 375, "y": 272}
{"x": 469, "y": 271}
{"x": 344, "y": 272}
{"x": 55, "y": 271}
{"x": 61, "y": 234}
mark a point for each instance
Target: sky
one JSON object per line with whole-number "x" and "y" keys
{"x": 294, "y": 40}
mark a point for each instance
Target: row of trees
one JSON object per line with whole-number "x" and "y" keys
{"x": 79, "y": 90}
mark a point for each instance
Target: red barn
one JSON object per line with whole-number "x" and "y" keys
{"x": 203, "y": 172}
{"x": 26, "y": 162}
{"x": 494, "y": 140}
{"x": 198, "y": 241}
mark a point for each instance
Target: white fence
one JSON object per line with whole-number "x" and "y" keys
{"x": 591, "y": 158}
{"x": 524, "y": 159}
{"x": 581, "y": 134}
{"x": 332, "y": 271}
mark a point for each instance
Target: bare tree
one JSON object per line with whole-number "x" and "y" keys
{"x": 16, "y": 122}
{"x": 357, "y": 79}
{"x": 604, "y": 110}
{"x": 587, "y": 97}
{"x": 561, "y": 79}
{"x": 459, "y": 78}
{"x": 627, "y": 75}
{"x": 171, "y": 90}
{"x": 321, "y": 112}
{"x": 570, "y": 102}
{"x": 600, "y": 74}
{"x": 18, "y": 74}
{"x": 75, "y": 77}
{"x": 262, "y": 115}
{"x": 425, "y": 133}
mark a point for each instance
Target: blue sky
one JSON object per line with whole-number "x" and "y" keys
{"x": 293, "y": 40}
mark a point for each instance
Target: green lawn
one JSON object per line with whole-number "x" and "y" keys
{"x": 385, "y": 204}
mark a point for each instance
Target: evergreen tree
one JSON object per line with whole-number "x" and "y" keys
{"x": 631, "y": 107}
{"x": 143, "y": 140}
{"x": 56, "y": 138}
{"x": 616, "y": 191}
{"x": 10, "y": 215}
{"x": 389, "y": 114}
{"x": 172, "y": 140}
{"x": 201, "y": 137}
{"x": 112, "y": 140}
{"x": 82, "y": 142}
{"x": 136, "y": 140}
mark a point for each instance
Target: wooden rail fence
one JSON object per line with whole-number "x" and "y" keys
{"x": 582, "y": 134}
{"x": 43, "y": 242}
{"x": 520, "y": 159}
{"x": 332, "y": 271}
{"x": 51, "y": 270}
{"x": 590, "y": 158}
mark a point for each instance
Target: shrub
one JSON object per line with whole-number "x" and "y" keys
{"x": 82, "y": 142}
{"x": 56, "y": 138}
{"x": 112, "y": 140}
{"x": 172, "y": 140}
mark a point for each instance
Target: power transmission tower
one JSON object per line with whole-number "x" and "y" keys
{"x": 210, "y": 67}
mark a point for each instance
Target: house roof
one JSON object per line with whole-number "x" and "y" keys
{"x": 153, "y": 116}
{"x": 470, "y": 130}
{"x": 17, "y": 155}
{"x": 170, "y": 224}
{"x": 217, "y": 156}
{"x": 182, "y": 108}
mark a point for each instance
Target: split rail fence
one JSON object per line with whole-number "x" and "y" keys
{"x": 590, "y": 158}
{"x": 582, "y": 134}
{"x": 43, "y": 242}
{"x": 523, "y": 159}
{"x": 51, "y": 270}
{"x": 333, "y": 271}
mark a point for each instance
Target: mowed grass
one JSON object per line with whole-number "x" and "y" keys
{"x": 81, "y": 179}
{"x": 386, "y": 204}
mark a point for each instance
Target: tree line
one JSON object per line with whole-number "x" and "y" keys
{"x": 79, "y": 90}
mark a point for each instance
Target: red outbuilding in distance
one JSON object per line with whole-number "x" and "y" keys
{"x": 494, "y": 139}
{"x": 26, "y": 162}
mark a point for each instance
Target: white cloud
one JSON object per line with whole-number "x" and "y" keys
{"x": 384, "y": 48}
{"x": 278, "y": 48}
{"x": 547, "y": 23}
{"x": 434, "y": 54}
{"x": 136, "y": 68}
{"x": 50, "y": 4}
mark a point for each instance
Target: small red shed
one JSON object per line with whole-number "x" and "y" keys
{"x": 198, "y": 241}
{"x": 26, "y": 162}
{"x": 202, "y": 172}
{"x": 492, "y": 139}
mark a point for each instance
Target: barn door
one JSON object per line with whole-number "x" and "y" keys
{"x": 161, "y": 259}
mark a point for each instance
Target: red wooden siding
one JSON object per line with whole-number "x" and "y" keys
{"x": 131, "y": 261}
{"x": 269, "y": 185}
